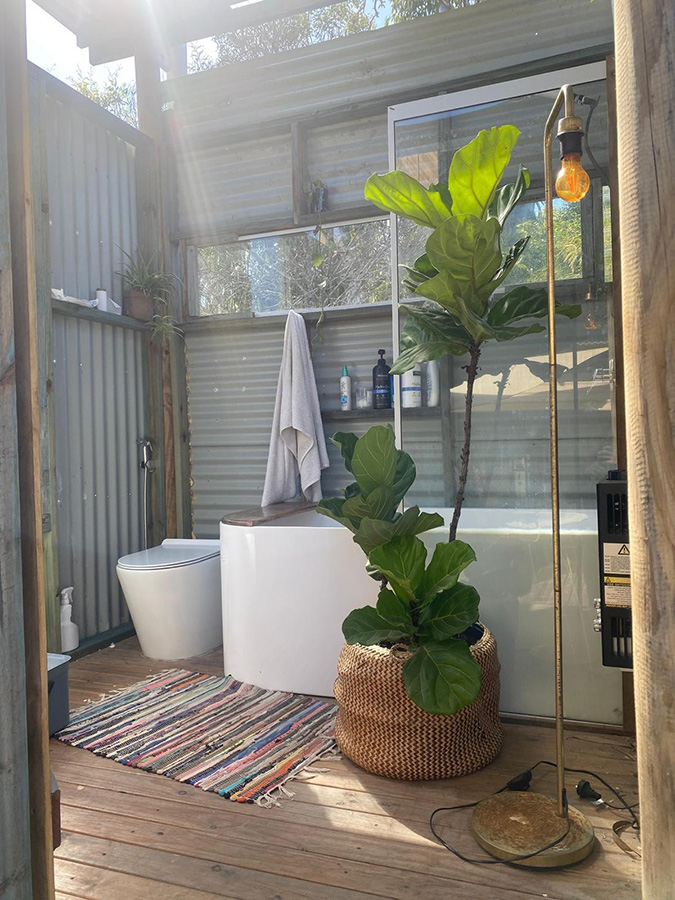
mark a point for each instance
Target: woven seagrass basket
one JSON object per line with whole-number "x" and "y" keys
{"x": 383, "y": 731}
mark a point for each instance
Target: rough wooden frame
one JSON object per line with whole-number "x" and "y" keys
{"x": 645, "y": 91}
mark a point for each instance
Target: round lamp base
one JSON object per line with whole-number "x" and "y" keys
{"x": 516, "y": 823}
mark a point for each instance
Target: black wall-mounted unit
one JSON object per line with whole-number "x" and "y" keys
{"x": 615, "y": 587}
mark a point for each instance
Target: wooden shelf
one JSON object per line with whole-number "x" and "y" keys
{"x": 415, "y": 413}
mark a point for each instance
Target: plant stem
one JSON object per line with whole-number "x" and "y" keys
{"x": 471, "y": 371}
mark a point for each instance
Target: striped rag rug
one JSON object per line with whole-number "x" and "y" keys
{"x": 234, "y": 739}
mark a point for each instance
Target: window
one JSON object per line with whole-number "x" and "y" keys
{"x": 344, "y": 265}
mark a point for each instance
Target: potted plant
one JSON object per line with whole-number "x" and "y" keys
{"x": 147, "y": 291}
{"x": 417, "y": 683}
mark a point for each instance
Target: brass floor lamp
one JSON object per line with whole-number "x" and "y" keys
{"x": 526, "y": 828}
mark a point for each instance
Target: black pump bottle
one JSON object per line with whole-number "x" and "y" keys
{"x": 381, "y": 384}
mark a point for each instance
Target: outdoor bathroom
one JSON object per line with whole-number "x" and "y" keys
{"x": 327, "y": 435}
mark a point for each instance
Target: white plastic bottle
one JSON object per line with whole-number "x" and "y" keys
{"x": 345, "y": 390}
{"x": 411, "y": 388}
{"x": 70, "y": 633}
{"x": 433, "y": 383}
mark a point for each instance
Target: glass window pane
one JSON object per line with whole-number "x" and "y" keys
{"x": 345, "y": 265}
{"x": 509, "y": 463}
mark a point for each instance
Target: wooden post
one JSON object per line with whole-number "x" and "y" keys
{"x": 645, "y": 86}
{"x": 15, "y": 868}
{"x": 150, "y": 122}
{"x": 28, "y": 422}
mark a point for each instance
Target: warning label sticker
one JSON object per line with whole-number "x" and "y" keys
{"x": 616, "y": 559}
{"x": 617, "y": 590}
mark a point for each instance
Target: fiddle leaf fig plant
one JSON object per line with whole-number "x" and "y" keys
{"x": 464, "y": 265}
{"x": 368, "y": 507}
{"x": 421, "y": 605}
{"x": 427, "y": 609}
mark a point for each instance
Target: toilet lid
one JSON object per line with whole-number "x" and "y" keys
{"x": 169, "y": 556}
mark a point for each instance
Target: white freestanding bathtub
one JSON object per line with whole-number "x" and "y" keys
{"x": 289, "y": 583}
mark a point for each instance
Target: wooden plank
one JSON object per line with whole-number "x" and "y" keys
{"x": 91, "y": 883}
{"x": 645, "y": 95}
{"x": 14, "y": 791}
{"x": 346, "y": 830}
{"x": 357, "y": 860}
{"x": 28, "y": 416}
{"x": 223, "y": 880}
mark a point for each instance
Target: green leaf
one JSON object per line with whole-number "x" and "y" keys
{"x": 506, "y": 197}
{"x": 443, "y": 289}
{"x": 511, "y": 258}
{"x": 526, "y": 303}
{"x": 449, "y": 613}
{"x": 448, "y": 562}
{"x": 346, "y": 441}
{"x": 395, "y": 611}
{"x": 421, "y": 353}
{"x": 467, "y": 249}
{"x": 477, "y": 169}
{"x": 372, "y": 533}
{"x": 397, "y": 192}
{"x": 442, "y": 678}
{"x": 404, "y": 475}
{"x": 401, "y": 561}
{"x": 378, "y": 504}
{"x": 511, "y": 332}
{"x": 352, "y": 490}
{"x": 366, "y": 626}
{"x": 333, "y": 508}
{"x": 374, "y": 459}
{"x": 428, "y": 322}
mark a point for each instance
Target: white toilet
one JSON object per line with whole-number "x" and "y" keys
{"x": 173, "y": 595}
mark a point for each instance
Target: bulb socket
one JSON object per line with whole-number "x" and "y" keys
{"x": 570, "y": 142}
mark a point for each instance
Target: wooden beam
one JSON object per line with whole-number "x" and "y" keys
{"x": 150, "y": 122}
{"x": 113, "y": 33}
{"x": 28, "y": 415}
{"x": 645, "y": 86}
{"x": 15, "y": 868}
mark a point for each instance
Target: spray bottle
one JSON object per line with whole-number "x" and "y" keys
{"x": 70, "y": 634}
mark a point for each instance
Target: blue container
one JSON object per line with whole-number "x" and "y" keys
{"x": 59, "y": 706}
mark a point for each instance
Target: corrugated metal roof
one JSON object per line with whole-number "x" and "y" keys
{"x": 409, "y": 58}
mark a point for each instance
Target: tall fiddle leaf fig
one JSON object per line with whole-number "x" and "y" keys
{"x": 464, "y": 264}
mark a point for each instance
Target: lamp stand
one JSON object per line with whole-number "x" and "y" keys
{"x": 525, "y": 828}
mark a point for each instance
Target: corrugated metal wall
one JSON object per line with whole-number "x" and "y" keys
{"x": 217, "y": 113}
{"x": 92, "y": 198}
{"x": 233, "y": 369}
{"x": 100, "y": 411}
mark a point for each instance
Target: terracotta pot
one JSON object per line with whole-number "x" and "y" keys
{"x": 139, "y": 306}
{"x": 383, "y": 731}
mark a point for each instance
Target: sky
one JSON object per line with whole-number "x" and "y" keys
{"x": 52, "y": 47}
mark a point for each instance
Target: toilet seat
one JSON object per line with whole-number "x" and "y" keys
{"x": 170, "y": 555}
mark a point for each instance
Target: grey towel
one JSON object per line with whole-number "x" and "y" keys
{"x": 297, "y": 445}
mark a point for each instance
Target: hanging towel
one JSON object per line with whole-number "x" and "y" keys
{"x": 297, "y": 445}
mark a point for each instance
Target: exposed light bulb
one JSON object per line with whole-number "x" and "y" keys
{"x": 572, "y": 182}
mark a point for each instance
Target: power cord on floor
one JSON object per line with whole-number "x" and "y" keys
{"x": 522, "y": 782}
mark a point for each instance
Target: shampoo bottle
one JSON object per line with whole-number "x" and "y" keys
{"x": 433, "y": 385}
{"x": 381, "y": 384}
{"x": 411, "y": 388}
{"x": 345, "y": 390}
{"x": 70, "y": 634}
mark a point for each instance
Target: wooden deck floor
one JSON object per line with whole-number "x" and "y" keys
{"x": 347, "y": 835}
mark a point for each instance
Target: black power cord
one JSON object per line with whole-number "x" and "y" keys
{"x": 522, "y": 782}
